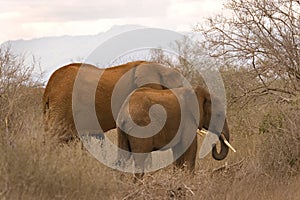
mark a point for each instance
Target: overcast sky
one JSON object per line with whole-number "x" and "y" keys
{"x": 28, "y": 19}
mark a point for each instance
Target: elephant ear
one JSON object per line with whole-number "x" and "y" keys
{"x": 157, "y": 76}
{"x": 204, "y": 101}
{"x": 191, "y": 106}
{"x": 214, "y": 112}
{"x": 207, "y": 107}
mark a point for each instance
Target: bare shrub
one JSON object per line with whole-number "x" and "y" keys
{"x": 20, "y": 91}
{"x": 280, "y": 153}
{"x": 261, "y": 36}
{"x": 31, "y": 165}
{"x": 265, "y": 132}
{"x": 191, "y": 59}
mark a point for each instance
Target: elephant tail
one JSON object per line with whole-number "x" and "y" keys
{"x": 46, "y": 112}
{"x": 46, "y": 105}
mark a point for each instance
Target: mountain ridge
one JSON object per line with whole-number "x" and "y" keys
{"x": 52, "y": 52}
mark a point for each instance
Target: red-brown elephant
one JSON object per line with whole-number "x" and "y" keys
{"x": 57, "y": 99}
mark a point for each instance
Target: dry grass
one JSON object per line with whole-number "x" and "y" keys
{"x": 266, "y": 165}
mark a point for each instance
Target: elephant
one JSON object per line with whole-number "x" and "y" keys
{"x": 59, "y": 92}
{"x": 141, "y": 129}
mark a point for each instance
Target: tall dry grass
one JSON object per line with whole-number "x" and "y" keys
{"x": 34, "y": 166}
{"x": 266, "y": 165}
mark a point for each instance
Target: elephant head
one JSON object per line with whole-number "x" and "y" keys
{"x": 213, "y": 119}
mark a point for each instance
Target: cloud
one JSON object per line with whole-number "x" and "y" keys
{"x": 38, "y": 18}
{"x": 78, "y": 10}
{"x": 192, "y": 8}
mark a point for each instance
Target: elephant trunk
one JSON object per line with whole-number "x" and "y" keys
{"x": 224, "y": 148}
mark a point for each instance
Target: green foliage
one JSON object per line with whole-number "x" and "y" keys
{"x": 270, "y": 122}
{"x": 280, "y": 152}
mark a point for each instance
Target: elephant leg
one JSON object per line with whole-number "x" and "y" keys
{"x": 190, "y": 155}
{"x": 139, "y": 164}
{"x": 124, "y": 150}
{"x": 148, "y": 162}
{"x": 176, "y": 155}
{"x": 141, "y": 149}
{"x": 188, "y": 158}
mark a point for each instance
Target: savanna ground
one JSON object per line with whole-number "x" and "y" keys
{"x": 257, "y": 52}
{"x": 33, "y": 166}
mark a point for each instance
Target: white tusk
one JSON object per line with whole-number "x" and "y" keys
{"x": 204, "y": 132}
{"x": 227, "y": 143}
{"x": 201, "y": 132}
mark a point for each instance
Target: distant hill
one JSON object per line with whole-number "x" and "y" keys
{"x": 54, "y": 52}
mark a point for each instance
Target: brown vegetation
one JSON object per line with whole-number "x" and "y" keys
{"x": 262, "y": 86}
{"x": 265, "y": 133}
